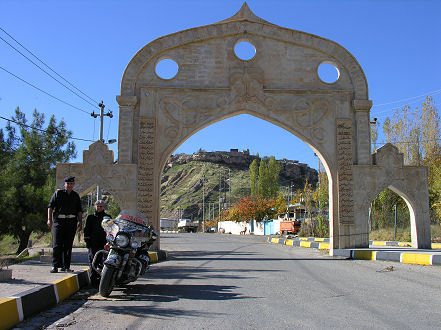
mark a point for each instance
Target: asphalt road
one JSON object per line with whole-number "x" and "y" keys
{"x": 214, "y": 281}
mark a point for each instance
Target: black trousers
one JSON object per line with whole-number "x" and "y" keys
{"x": 63, "y": 235}
{"x": 94, "y": 276}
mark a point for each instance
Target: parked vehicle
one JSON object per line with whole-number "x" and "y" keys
{"x": 126, "y": 253}
{"x": 188, "y": 226}
{"x": 290, "y": 227}
{"x": 167, "y": 224}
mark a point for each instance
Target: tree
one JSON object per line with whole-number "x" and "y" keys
{"x": 252, "y": 208}
{"x": 254, "y": 177}
{"x": 308, "y": 198}
{"x": 417, "y": 135}
{"x": 113, "y": 208}
{"x": 274, "y": 173}
{"x": 27, "y": 176}
{"x": 264, "y": 179}
{"x": 321, "y": 193}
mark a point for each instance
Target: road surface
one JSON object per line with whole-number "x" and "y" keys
{"x": 214, "y": 281}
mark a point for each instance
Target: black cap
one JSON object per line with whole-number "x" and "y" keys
{"x": 69, "y": 179}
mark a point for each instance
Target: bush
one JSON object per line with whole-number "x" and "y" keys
{"x": 316, "y": 227}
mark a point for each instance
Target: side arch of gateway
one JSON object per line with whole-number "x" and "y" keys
{"x": 279, "y": 84}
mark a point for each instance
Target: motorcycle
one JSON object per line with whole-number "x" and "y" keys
{"x": 126, "y": 253}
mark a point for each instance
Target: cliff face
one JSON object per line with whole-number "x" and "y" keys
{"x": 291, "y": 169}
{"x": 226, "y": 176}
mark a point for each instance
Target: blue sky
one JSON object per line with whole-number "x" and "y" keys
{"x": 89, "y": 43}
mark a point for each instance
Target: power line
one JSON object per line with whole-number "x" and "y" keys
{"x": 396, "y": 142}
{"x": 47, "y": 73}
{"x": 409, "y": 98}
{"x": 47, "y": 66}
{"x": 39, "y": 89}
{"x": 387, "y": 112}
{"x": 39, "y": 129}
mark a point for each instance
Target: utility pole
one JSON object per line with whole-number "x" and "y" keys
{"x": 319, "y": 184}
{"x": 229, "y": 187}
{"x": 101, "y": 115}
{"x": 395, "y": 222}
{"x": 220, "y": 194}
{"x": 203, "y": 203}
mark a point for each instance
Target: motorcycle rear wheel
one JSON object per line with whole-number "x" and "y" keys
{"x": 107, "y": 281}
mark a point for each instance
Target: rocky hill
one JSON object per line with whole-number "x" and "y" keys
{"x": 226, "y": 176}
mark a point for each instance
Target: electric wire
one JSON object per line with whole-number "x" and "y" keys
{"x": 39, "y": 89}
{"x": 39, "y": 129}
{"x": 35, "y": 56}
{"x": 46, "y": 65}
{"x": 409, "y": 98}
{"x": 95, "y": 105}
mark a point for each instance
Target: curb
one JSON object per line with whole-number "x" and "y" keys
{"x": 417, "y": 258}
{"x": 15, "y": 309}
{"x": 402, "y": 244}
{"x": 414, "y": 258}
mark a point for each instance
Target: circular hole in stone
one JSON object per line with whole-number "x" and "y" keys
{"x": 328, "y": 72}
{"x": 166, "y": 68}
{"x": 245, "y": 50}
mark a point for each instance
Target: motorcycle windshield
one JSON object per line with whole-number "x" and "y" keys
{"x": 133, "y": 216}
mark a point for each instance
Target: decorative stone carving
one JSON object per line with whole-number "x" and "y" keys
{"x": 344, "y": 167}
{"x": 279, "y": 84}
{"x": 98, "y": 168}
{"x": 146, "y": 160}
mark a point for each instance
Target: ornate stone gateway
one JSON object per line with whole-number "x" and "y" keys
{"x": 281, "y": 85}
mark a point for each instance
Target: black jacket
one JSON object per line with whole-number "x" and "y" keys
{"x": 94, "y": 234}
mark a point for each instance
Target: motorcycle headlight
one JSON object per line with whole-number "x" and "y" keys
{"x": 122, "y": 240}
{"x": 135, "y": 244}
{"x": 110, "y": 237}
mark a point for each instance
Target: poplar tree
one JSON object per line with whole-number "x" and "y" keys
{"x": 274, "y": 173}
{"x": 254, "y": 177}
{"x": 264, "y": 181}
{"x": 417, "y": 135}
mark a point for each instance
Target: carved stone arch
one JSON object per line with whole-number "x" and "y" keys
{"x": 280, "y": 84}
{"x": 98, "y": 168}
{"x": 244, "y": 24}
{"x": 250, "y": 109}
{"x": 409, "y": 182}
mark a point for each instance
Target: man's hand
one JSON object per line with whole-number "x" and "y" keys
{"x": 49, "y": 223}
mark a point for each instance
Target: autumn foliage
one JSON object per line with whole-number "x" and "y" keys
{"x": 253, "y": 208}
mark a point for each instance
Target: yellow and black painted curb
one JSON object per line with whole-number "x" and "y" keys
{"x": 401, "y": 244}
{"x": 416, "y": 258}
{"x": 408, "y": 257}
{"x": 16, "y": 308}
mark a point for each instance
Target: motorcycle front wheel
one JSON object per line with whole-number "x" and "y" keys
{"x": 107, "y": 281}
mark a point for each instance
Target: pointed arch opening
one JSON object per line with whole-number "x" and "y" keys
{"x": 391, "y": 217}
{"x": 185, "y": 194}
{"x": 100, "y": 192}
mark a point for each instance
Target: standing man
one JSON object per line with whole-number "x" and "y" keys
{"x": 64, "y": 214}
{"x": 95, "y": 236}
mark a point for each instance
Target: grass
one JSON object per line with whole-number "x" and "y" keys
{"x": 9, "y": 245}
{"x": 403, "y": 234}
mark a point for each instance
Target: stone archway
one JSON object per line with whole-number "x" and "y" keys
{"x": 279, "y": 84}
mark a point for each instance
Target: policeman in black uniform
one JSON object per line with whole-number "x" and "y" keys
{"x": 95, "y": 236}
{"x": 64, "y": 215}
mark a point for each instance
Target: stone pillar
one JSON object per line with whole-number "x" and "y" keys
{"x": 363, "y": 131}
{"x": 148, "y": 195}
{"x": 345, "y": 203}
{"x": 125, "y": 130}
{"x": 146, "y": 161}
